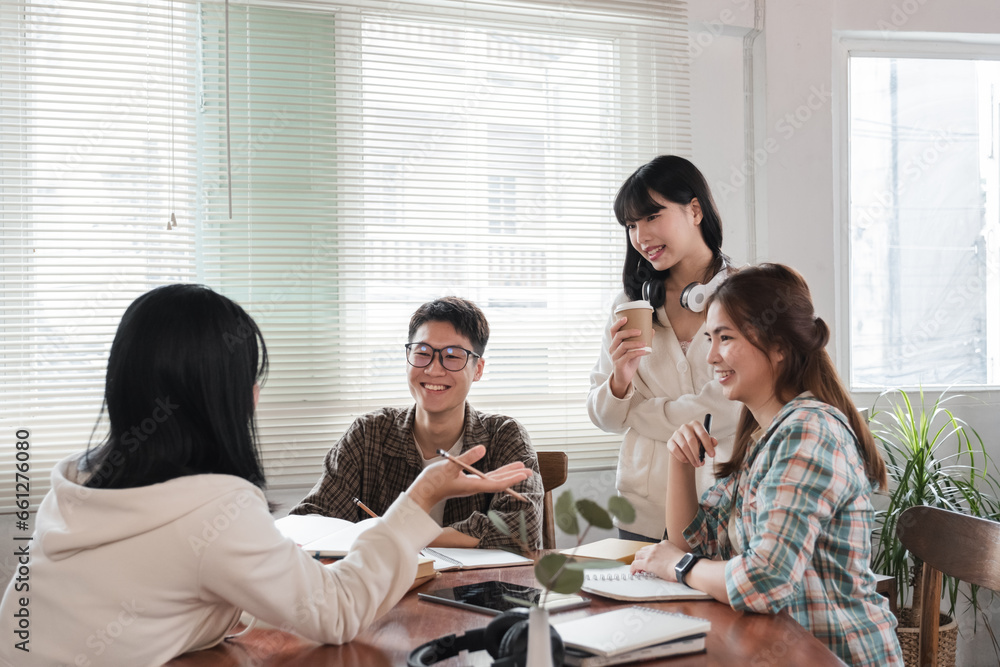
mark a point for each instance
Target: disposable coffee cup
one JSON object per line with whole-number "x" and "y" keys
{"x": 640, "y": 316}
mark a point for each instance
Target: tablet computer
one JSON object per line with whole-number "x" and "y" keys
{"x": 492, "y": 597}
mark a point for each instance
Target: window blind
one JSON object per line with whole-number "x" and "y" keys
{"x": 97, "y": 150}
{"x": 382, "y": 155}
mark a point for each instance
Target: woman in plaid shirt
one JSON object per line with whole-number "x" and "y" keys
{"x": 788, "y": 525}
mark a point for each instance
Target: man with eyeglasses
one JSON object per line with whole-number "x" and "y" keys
{"x": 383, "y": 451}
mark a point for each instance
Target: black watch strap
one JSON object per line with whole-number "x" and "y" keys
{"x": 685, "y": 565}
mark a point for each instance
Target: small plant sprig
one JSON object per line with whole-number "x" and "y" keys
{"x": 563, "y": 573}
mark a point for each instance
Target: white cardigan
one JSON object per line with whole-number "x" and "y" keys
{"x": 138, "y": 576}
{"x": 669, "y": 389}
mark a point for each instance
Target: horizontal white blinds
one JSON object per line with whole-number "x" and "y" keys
{"x": 382, "y": 155}
{"x": 97, "y": 149}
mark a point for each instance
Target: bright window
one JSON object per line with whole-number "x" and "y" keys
{"x": 377, "y": 159}
{"x": 925, "y": 217}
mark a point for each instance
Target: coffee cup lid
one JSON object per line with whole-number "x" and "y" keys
{"x": 632, "y": 305}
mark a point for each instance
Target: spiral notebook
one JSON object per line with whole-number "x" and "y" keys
{"x": 628, "y": 629}
{"x": 618, "y": 584}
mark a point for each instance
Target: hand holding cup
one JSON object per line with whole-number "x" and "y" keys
{"x": 632, "y": 339}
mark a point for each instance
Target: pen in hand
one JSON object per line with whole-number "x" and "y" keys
{"x": 708, "y": 429}
{"x": 365, "y": 508}
{"x": 443, "y": 454}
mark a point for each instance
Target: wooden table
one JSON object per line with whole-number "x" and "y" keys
{"x": 736, "y": 638}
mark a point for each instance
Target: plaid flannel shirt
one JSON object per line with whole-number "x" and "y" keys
{"x": 802, "y": 533}
{"x": 377, "y": 459}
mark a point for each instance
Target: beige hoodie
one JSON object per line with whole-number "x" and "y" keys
{"x": 669, "y": 389}
{"x": 138, "y": 576}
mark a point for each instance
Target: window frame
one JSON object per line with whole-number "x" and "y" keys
{"x": 880, "y": 44}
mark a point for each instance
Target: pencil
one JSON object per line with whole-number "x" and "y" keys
{"x": 469, "y": 468}
{"x": 362, "y": 506}
{"x": 708, "y": 429}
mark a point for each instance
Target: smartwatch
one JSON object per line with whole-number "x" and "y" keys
{"x": 685, "y": 565}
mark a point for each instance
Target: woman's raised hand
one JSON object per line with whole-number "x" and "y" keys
{"x": 626, "y": 349}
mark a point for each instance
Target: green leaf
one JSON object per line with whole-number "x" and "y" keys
{"x": 565, "y": 514}
{"x": 552, "y": 573}
{"x": 594, "y": 514}
{"x": 548, "y": 567}
{"x": 621, "y": 509}
{"x": 500, "y": 524}
{"x": 932, "y": 457}
{"x": 523, "y": 527}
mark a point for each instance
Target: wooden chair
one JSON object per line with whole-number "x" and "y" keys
{"x": 553, "y": 467}
{"x": 955, "y": 544}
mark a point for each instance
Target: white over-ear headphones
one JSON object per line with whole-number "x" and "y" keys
{"x": 696, "y": 295}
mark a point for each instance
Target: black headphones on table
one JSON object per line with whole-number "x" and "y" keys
{"x": 505, "y": 638}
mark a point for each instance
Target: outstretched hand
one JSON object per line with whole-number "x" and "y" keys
{"x": 445, "y": 479}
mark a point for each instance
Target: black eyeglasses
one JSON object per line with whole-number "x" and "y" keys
{"x": 421, "y": 355}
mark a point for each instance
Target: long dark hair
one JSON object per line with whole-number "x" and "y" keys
{"x": 179, "y": 391}
{"x": 676, "y": 180}
{"x": 771, "y": 306}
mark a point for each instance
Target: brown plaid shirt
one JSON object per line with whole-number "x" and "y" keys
{"x": 377, "y": 459}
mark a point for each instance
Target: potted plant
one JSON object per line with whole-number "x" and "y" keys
{"x": 562, "y": 573}
{"x": 932, "y": 458}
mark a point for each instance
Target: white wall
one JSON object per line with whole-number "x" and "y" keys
{"x": 798, "y": 216}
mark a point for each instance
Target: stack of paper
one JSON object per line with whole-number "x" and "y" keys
{"x": 629, "y": 634}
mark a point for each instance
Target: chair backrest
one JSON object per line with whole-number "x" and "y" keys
{"x": 553, "y": 466}
{"x": 952, "y": 543}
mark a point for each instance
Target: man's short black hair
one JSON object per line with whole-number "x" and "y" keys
{"x": 462, "y": 314}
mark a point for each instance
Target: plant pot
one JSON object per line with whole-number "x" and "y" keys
{"x": 909, "y": 639}
{"x": 539, "y": 638}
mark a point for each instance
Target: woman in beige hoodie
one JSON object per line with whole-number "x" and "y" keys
{"x": 151, "y": 544}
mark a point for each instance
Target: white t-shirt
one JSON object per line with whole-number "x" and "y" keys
{"x": 437, "y": 512}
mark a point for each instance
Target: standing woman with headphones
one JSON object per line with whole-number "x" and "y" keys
{"x": 673, "y": 245}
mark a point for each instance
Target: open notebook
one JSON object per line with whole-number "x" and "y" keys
{"x": 617, "y": 583}
{"x": 322, "y": 536}
{"x": 454, "y": 558}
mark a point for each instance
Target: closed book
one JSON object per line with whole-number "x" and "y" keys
{"x": 611, "y": 548}
{"x": 627, "y": 629}
{"x": 455, "y": 558}
{"x": 425, "y": 571}
{"x": 683, "y": 646}
{"x": 619, "y": 584}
